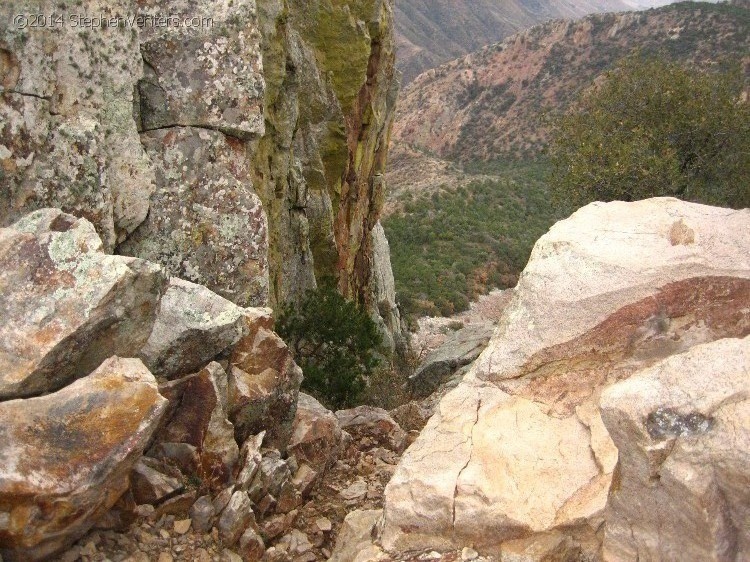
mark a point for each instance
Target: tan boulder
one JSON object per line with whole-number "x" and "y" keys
{"x": 65, "y": 457}
{"x": 519, "y": 447}
{"x": 264, "y": 383}
{"x": 66, "y": 306}
{"x": 316, "y": 435}
{"x": 683, "y": 430}
{"x": 355, "y": 540}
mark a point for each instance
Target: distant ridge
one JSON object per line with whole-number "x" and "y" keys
{"x": 431, "y": 32}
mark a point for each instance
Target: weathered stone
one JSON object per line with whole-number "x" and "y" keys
{"x": 682, "y": 427}
{"x": 221, "y": 500}
{"x": 375, "y": 424}
{"x": 66, "y": 306}
{"x": 355, "y": 538}
{"x": 461, "y": 348}
{"x": 305, "y": 478}
{"x": 272, "y": 473}
{"x": 251, "y": 546}
{"x": 151, "y": 486}
{"x": 180, "y": 455}
{"x": 316, "y": 434}
{"x": 250, "y": 459}
{"x": 199, "y": 403}
{"x": 100, "y": 426}
{"x": 384, "y": 289}
{"x": 411, "y": 416}
{"x": 202, "y": 513}
{"x": 277, "y": 525}
{"x": 263, "y": 387}
{"x": 68, "y": 136}
{"x": 236, "y": 517}
{"x": 548, "y": 547}
{"x": 218, "y": 231}
{"x": 605, "y": 293}
{"x": 176, "y": 505}
{"x": 192, "y": 327}
{"x": 213, "y": 78}
{"x": 294, "y": 543}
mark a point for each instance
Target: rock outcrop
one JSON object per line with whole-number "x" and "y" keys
{"x": 243, "y": 151}
{"x": 519, "y": 449}
{"x": 72, "y": 458}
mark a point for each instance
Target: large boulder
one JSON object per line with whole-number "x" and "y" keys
{"x": 66, "y": 306}
{"x": 682, "y": 428}
{"x": 65, "y": 457}
{"x": 519, "y": 447}
{"x": 192, "y": 327}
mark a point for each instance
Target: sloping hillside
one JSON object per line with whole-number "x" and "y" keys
{"x": 468, "y": 192}
{"x": 491, "y": 104}
{"x": 431, "y": 32}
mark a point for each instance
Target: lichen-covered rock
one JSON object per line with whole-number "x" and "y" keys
{"x": 193, "y": 326}
{"x": 316, "y": 435}
{"x": 65, "y": 457}
{"x": 68, "y": 136}
{"x": 611, "y": 290}
{"x": 199, "y": 410}
{"x": 204, "y": 200}
{"x": 264, "y": 383}
{"x": 208, "y": 74}
{"x": 682, "y": 428}
{"x": 66, "y": 306}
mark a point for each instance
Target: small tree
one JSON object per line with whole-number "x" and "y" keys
{"x": 653, "y": 128}
{"x": 334, "y": 342}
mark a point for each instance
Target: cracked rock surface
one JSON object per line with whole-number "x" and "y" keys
{"x": 518, "y": 449}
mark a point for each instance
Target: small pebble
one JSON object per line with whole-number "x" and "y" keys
{"x": 182, "y": 526}
{"x": 468, "y": 554}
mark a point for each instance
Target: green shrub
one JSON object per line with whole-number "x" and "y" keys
{"x": 334, "y": 343}
{"x": 655, "y": 128}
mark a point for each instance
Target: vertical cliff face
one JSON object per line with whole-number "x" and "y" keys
{"x": 330, "y": 94}
{"x": 241, "y": 144}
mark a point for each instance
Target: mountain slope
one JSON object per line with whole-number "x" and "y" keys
{"x": 431, "y": 32}
{"x": 490, "y": 104}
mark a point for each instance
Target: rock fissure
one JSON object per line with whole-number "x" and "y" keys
{"x": 470, "y": 442}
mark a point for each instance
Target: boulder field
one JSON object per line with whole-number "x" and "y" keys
{"x": 607, "y": 419}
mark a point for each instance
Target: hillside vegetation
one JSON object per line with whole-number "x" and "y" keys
{"x": 447, "y": 247}
{"x": 469, "y": 179}
{"x": 492, "y": 103}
